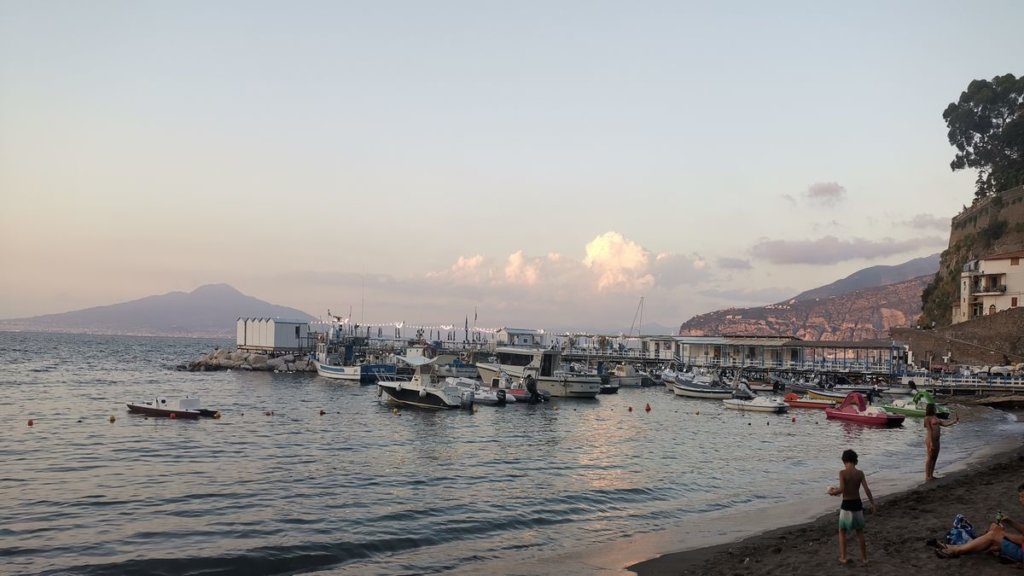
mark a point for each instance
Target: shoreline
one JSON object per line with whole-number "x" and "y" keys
{"x": 895, "y": 535}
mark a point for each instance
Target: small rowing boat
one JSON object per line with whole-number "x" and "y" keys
{"x": 189, "y": 408}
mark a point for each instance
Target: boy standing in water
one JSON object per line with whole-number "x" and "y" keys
{"x": 851, "y": 512}
{"x": 933, "y": 428}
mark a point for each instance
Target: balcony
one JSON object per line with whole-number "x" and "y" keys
{"x": 989, "y": 290}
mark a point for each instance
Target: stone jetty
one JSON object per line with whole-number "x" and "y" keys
{"x": 222, "y": 359}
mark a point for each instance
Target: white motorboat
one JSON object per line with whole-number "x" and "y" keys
{"x": 706, "y": 391}
{"x": 425, "y": 388}
{"x": 486, "y": 395}
{"x": 757, "y": 404}
{"x": 541, "y": 367}
{"x": 624, "y": 376}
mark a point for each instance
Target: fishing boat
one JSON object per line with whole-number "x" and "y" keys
{"x": 425, "y": 388}
{"x": 341, "y": 357}
{"x": 189, "y": 408}
{"x": 796, "y": 401}
{"x": 855, "y": 408}
{"x": 916, "y": 406}
{"x": 541, "y": 366}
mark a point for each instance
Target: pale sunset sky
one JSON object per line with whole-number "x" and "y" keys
{"x": 544, "y": 163}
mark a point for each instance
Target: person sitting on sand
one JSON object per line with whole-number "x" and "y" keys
{"x": 998, "y": 540}
{"x": 851, "y": 512}
{"x": 933, "y": 426}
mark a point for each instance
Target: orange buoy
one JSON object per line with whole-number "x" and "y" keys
{"x": 648, "y": 407}
{"x": 30, "y": 422}
{"x": 173, "y": 416}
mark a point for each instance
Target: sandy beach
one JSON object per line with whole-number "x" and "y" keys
{"x": 896, "y": 534}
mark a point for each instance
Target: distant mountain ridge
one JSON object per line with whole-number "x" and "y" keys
{"x": 208, "y": 311}
{"x": 862, "y": 306}
{"x": 874, "y": 277}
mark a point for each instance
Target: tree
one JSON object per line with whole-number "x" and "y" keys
{"x": 987, "y": 128}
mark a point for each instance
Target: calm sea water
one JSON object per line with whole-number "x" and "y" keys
{"x": 363, "y": 490}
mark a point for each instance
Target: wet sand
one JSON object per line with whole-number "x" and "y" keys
{"x": 896, "y": 534}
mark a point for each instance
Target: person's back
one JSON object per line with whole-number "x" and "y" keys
{"x": 852, "y": 478}
{"x": 851, "y": 512}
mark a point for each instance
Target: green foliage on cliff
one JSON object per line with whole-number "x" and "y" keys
{"x": 986, "y": 125}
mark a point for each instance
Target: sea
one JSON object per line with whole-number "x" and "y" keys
{"x": 276, "y": 487}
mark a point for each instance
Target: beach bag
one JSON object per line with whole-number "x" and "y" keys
{"x": 962, "y": 532}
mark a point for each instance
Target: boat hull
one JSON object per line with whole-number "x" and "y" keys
{"x": 362, "y": 373}
{"x": 913, "y": 412}
{"x": 167, "y": 412}
{"x": 887, "y": 420}
{"x": 747, "y": 406}
{"x": 423, "y": 398}
{"x": 699, "y": 392}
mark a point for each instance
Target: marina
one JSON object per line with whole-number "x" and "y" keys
{"x": 318, "y": 475}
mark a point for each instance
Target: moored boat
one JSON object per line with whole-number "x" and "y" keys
{"x": 855, "y": 408}
{"x": 756, "y": 404}
{"x": 542, "y": 366}
{"x": 796, "y": 401}
{"x": 486, "y": 395}
{"x": 625, "y": 376}
{"x": 425, "y": 388}
{"x": 705, "y": 391}
{"x": 189, "y": 408}
{"x": 916, "y": 406}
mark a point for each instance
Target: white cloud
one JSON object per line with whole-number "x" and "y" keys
{"x": 520, "y": 270}
{"x": 618, "y": 262}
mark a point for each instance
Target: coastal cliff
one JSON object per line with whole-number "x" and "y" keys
{"x": 866, "y": 314}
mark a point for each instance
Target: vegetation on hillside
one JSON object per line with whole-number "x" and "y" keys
{"x": 986, "y": 125}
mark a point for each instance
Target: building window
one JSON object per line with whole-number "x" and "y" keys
{"x": 1014, "y": 261}
{"x": 1013, "y": 302}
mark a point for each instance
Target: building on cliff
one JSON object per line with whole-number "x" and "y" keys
{"x": 990, "y": 285}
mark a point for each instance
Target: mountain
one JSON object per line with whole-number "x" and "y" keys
{"x": 862, "y": 306}
{"x": 207, "y": 311}
{"x": 873, "y": 277}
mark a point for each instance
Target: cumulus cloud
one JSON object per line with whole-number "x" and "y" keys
{"x": 520, "y": 270}
{"x": 829, "y": 249}
{"x": 827, "y": 194}
{"x": 927, "y": 222}
{"x": 618, "y": 262}
{"x": 734, "y": 264}
{"x": 465, "y": 269}
{"x": 671, "y": 270}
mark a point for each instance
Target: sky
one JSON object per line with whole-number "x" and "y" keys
{"x": 544, "y": 164}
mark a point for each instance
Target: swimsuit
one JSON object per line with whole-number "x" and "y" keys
{"x": 851, "y": 515}
{"x": 1010, "y": 549}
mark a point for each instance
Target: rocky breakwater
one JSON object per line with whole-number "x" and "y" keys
{"x": 221, "y": 359}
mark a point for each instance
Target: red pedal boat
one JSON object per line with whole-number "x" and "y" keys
{"x": 855, "y": 408}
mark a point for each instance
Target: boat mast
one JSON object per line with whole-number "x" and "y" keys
{"x": 639, "y": 314}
